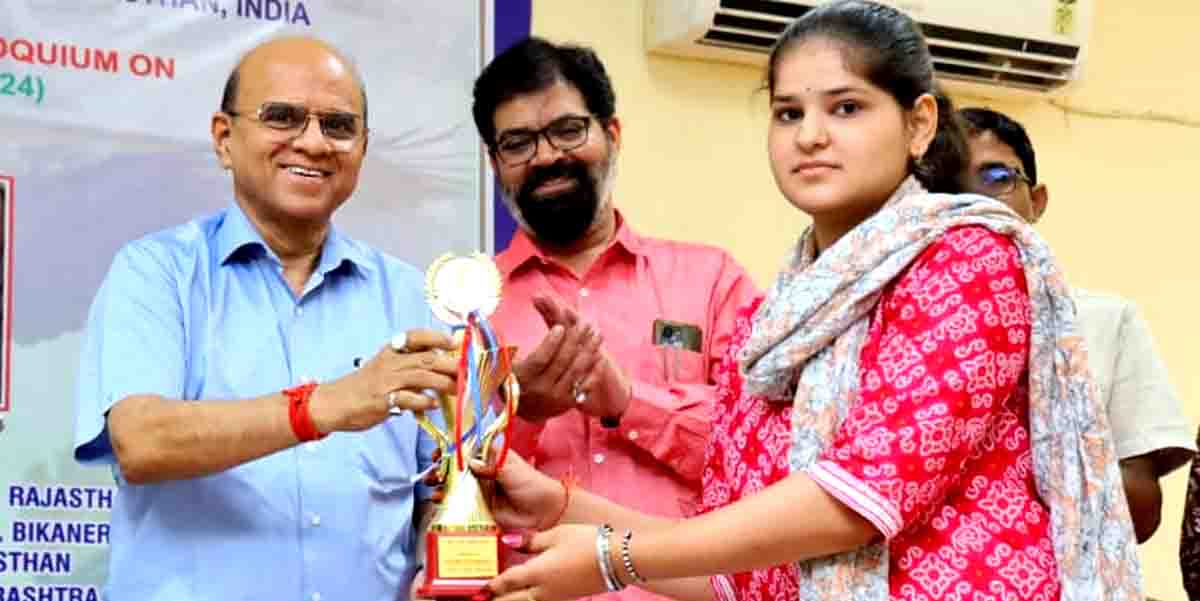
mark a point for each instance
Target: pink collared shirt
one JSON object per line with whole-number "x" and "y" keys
{"x": 653, "y": 461}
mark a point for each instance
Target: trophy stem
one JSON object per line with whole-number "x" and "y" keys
{"x": 464, "y": 508}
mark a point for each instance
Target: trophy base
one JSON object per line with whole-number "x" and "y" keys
{"x": 455, "y": 590}
{"x": 458, "y": 565}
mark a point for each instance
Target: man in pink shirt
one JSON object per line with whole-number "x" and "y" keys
{"x": 619, "y": 333}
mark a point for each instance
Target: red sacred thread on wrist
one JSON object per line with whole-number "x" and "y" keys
{"x": 299, "y": 414}
{"x": 568, "y": 481}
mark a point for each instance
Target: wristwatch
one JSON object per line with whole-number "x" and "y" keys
{"x": 613, "y": 422}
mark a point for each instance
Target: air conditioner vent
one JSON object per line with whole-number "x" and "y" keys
{"x": 981, "y": 38}
{"x": 1017, "y": 44}
{"x": 738, "y": 40}
{"x": 788, "y": 10}
{"x": 728, "y": 21}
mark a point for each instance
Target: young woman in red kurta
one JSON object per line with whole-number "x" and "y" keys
{"x": 910, "y": 416}
{"x": 937, "y": 447}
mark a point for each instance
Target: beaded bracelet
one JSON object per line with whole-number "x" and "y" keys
{"x": 627, "y": 558}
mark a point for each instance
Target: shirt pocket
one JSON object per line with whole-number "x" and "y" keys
{"x": 375, "y": 472}
{"x": 386, "y": 454}
{"x": 665, "y": 365}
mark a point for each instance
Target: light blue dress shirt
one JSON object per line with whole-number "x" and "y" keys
{"x": 201, "y": 311}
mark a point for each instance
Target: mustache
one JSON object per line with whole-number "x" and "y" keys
{"x": 559, "y": 169}
{"x": 561, "y": 218}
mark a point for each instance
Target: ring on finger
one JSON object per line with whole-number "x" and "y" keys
{"x": 580, "y": 395}
{"x": 400, "y": 342}
{"x": 393, "y": 401}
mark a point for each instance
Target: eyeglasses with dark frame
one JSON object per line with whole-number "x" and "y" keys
{"x": 340, "y": 128}
{"x": 518, "y": 146}
{"x": 998, "y": 179}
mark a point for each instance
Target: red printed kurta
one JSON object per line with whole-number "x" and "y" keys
{"x": 936, "y": 451}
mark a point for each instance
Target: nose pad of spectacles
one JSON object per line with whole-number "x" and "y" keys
{"x": 310, "y": 128}
{"x": 546, "y": 154}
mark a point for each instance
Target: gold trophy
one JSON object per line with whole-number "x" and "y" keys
{"x": 463, "y": 543}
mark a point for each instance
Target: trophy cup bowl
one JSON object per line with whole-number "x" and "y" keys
{"x": 463, "y": 549}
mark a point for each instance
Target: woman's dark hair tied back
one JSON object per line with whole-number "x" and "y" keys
{"x": 947, "y": 154}
{"x": 885, "y": 47}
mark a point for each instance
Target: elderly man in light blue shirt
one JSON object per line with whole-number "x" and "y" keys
{"x": 256, "y": 459}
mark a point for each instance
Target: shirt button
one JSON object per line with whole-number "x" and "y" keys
{"x": 315, "y": 520}
{"x": 598, "y": 457}
{"x": 316, "y": 597}
{"x": 299, "y": 311}
{"x": 633, "y": 435}
{"x": 584, "y": 292}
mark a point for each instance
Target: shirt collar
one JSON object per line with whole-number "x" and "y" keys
{"x": 236, "y": 232}
{"x": 523, "y": 249}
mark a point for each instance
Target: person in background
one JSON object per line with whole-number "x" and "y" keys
{"x": 621, "y": 332}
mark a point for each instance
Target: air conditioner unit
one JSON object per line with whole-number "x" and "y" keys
{"x": 980, "y": 47}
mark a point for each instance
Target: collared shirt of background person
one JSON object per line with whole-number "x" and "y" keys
{"x": 606, "y": 395}
{"x": 908, "y": 416}
{"x": 1151, "y": 433}
{"x": 229, "y": 488}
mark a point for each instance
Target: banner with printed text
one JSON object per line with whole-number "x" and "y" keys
{"x": 104, "y": 113}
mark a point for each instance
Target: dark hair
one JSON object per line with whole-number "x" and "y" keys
{"x": 532, "y": 65}
{"x": 980, "y": 120}
{"x": 885, "y": 47}
{"x": 229, "y": 94}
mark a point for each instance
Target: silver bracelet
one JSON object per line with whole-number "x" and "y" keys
{"x": 605, "y": 560}
{"x": 627, "y": 558}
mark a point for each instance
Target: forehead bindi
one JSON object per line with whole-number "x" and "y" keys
{"x": 817, "y": 68}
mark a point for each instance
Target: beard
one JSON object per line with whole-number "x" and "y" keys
{"x": 565, "y": 217}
